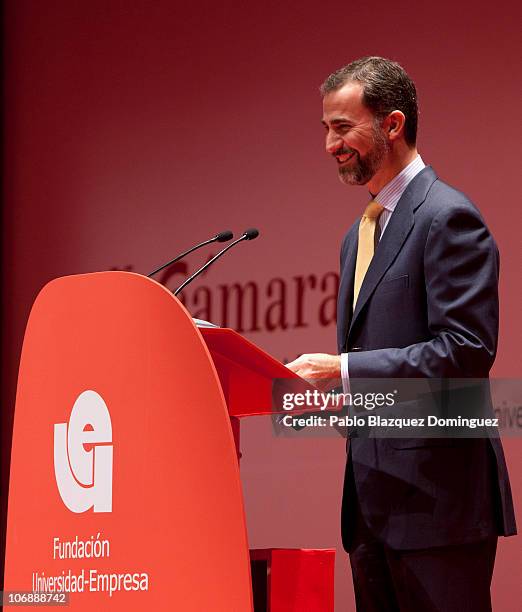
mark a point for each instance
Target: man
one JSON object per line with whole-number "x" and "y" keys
{"x": 418, "y": 298}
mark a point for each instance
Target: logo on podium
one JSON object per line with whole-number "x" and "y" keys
{"x": 83, "y": 455}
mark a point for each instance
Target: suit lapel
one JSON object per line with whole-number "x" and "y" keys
{"x": 399, "y": 226}
{"x": 345, "y": 298}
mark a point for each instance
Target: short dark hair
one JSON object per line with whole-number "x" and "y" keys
{"x": 386, "y": 87}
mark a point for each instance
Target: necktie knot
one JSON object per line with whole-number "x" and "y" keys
{"x": 373, "y": 210}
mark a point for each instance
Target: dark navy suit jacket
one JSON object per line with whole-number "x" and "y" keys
{"x": 428, "y": 308}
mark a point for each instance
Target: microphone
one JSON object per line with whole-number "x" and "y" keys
{"x": 221, "y": 237}
{"x": 249, "y": 234}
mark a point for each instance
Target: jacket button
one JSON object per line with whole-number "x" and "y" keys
{"x": 355, "y": 349}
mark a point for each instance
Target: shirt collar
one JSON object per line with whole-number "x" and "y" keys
{"x": 391, "y": 193}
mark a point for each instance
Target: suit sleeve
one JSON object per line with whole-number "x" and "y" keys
{"x": 461, "y": 266}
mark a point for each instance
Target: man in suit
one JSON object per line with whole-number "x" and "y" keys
{"x": 418, "y": 298}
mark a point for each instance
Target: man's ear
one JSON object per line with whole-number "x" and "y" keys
{"x": 394, "y": 124}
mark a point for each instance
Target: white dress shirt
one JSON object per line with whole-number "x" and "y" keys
{"x": 388, "y": 196}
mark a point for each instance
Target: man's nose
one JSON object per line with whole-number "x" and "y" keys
{"x": 333, "y": 142}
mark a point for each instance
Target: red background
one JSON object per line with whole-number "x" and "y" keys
{"x": 133, "y": 129}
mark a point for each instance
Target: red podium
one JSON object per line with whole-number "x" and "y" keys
{"x": 125, "y": 489}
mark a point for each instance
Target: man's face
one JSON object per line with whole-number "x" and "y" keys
{"x": 353, "y": 135}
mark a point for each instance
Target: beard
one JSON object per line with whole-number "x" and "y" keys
{"x": 362, "y": 169}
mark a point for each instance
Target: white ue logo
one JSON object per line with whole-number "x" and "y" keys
{"x": 84, "y": 475}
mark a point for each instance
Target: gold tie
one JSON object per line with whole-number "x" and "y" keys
{"x": 366, "y": 247}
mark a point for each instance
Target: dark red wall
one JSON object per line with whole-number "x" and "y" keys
{"x": 132, "y": 129}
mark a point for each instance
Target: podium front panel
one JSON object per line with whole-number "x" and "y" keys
{"x": 125, "y": 487}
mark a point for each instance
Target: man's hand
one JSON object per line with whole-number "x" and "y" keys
{"x": 319, "y": 366}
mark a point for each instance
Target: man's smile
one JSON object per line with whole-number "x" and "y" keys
{"x": 345, "y": 157}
